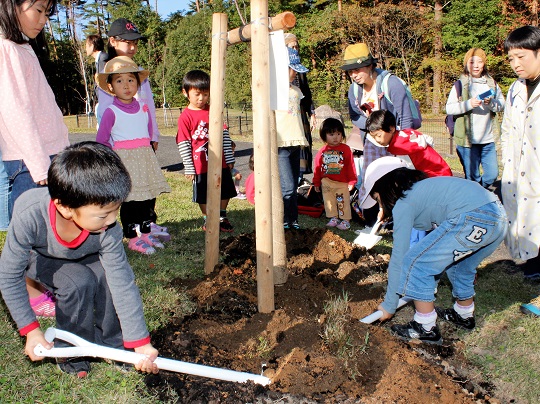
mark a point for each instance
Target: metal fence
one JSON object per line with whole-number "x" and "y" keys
{"x": 241, "y": 123}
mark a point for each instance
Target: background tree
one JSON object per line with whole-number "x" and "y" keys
{"x": 423, "y": 41}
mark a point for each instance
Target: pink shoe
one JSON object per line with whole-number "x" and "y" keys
{"x": 155, "y": 228}
{"x": 44, "y": 305}
{"x": 139, "y": 245}
{"x": 152, "y": 240}
{"x": 333, "y": 222}
{"x": 344, "y": 225}
{"x": 160, "y": 232}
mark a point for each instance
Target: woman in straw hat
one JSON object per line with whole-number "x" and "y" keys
{"x": 467, "y": 224}
{"x": 365, "y": 95}
{"x": 127, "y": 128}
{"x": 475, "y": 112}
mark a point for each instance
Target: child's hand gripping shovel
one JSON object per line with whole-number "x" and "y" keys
{"x": 378, "y": 314}
{"x": 85, "y": 348}
{"x": 368, "y": 240}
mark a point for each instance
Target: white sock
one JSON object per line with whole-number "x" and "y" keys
{"x": 464, "y": 311}
{"x": 428, "y": 320}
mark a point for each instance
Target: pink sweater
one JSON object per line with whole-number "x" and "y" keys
{"x": 31, "y": 124}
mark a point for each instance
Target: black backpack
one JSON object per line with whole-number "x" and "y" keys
{"x": 450, "y": 120}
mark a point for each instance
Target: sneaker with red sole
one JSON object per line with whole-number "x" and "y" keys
{"x": 139, "y": 245}
{"x": 74, "y": 366}
{"x": 225, "y": 225}
{"x": 44, "y": 305}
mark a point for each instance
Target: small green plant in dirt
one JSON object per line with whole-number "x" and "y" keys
{"x": 337, "y": 338}
{"x": 365, "y": 345}
{"x": 261, "y": 349}
{"x": 335, "y": 334}
{"x": 264, "y": 348}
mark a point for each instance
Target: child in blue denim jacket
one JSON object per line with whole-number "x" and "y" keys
{"x": 467, "y": 223}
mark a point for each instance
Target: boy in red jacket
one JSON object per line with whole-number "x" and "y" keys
{"x": 381, "y": 126}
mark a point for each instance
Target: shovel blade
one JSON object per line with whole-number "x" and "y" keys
{"x": 367, "y": 241}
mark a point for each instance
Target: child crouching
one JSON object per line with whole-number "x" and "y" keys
{"x": 335, "y": 174}
{"x": 66, "y": 238}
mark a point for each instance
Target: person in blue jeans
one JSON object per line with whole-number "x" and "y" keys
{"x": 474, "y": 132}
{"x": 467, "y": 224}
{"x": 290, "y": 140}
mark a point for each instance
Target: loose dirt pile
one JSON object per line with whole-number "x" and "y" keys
{"x": 227, "y": 332}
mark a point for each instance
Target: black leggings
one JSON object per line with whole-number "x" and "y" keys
{"x": 140, "y": 213}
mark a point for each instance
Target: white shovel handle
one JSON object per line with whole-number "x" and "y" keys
{"x": 85, "y": 348}
{"x": 378, "y": 314}
{"x": 376, "y": 227}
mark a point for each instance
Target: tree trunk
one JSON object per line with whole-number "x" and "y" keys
{"x": 437, "y": 49}
{"x": 534, "y": 12}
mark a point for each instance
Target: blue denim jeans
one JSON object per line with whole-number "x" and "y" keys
{"x": 477, "y": 155}
{"x": 20, "y": 180}
{"x": 456, "y": 247}
{"x": 4, "y": 197}
{"x": 464, "y": 154}
{"x": 484, "y": 155}
{"x": 289, "y": 170}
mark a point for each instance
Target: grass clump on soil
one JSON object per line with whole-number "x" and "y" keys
{"x": 336, "y": 336}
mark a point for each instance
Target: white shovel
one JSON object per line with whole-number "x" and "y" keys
{"x": 85, "y": 348}
{"x": 378, "y": 314}
{"x": 368, "y": 239}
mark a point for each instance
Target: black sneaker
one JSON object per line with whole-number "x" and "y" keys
{"x": 74, "y": 366}
{"x": 414, "y": 330}
{"x": 225, "y": 225}
{"x": 452, "y": 316}
{"x": 295, "y": 225}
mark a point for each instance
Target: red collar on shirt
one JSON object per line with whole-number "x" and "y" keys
{"x": 76, "y": 242}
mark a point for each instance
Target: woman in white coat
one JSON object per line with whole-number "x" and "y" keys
{"x": 520, "y": 141}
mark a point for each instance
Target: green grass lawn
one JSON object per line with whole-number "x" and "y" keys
{"x": 504, "y": 347}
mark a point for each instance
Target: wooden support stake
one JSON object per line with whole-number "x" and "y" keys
{"x": 260, "y": 46}
{"x": 215, "y": 140}
{"x": 281, "y": 273}
{"x": 285, "y": 20}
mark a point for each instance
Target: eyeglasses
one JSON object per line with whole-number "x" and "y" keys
{"x": 133, "y": 42}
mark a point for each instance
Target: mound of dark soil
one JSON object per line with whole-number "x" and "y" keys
{"x": 227, "y": 332}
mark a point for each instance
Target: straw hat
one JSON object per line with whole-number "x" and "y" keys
{"x": 356, "y": 56}
{"x": 120, "y": 64}
{"x": 375, "y": 171}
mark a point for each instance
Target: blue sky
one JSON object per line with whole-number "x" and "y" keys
{"x": 166, "y": 7}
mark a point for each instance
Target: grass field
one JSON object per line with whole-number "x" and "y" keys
{"x": 503, "y": 348}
